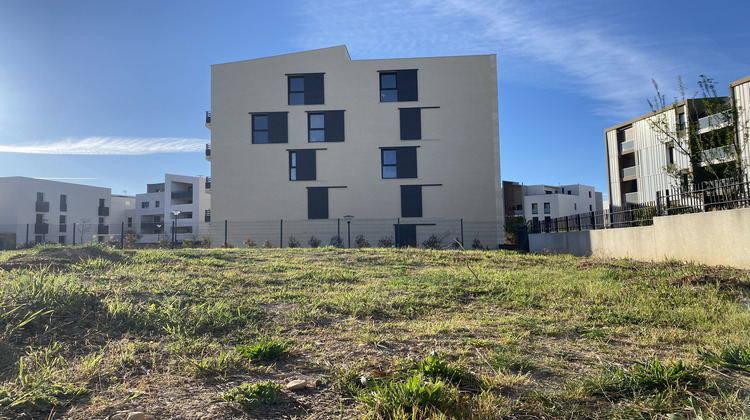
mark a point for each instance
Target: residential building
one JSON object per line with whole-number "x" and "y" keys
{"x": 178, "y": 205}
{"x": 406, "y": 144}
{"x": 34, "y": 211}
{"x": 545, "y": 202}
{"x": 638, "y": 155}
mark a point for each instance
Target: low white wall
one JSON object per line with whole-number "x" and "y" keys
{"x": 713, "y": 238}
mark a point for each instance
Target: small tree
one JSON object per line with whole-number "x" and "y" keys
{"x": 361, "y": 242}
{"x": 293, "y": 242}
{"x": 336, "y": 242}
{"x": 386, "y": 242}
{"x": 314, "y": 242}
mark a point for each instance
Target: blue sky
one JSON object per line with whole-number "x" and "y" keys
{"x": 113, "y": 93}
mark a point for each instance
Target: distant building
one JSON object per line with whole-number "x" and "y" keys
{"x": 181, "y": 204}
{"x": 637, "y": 156}
{"x": 544, "y": 202}
{"x": 410, "y": 145}
{"x": 36, "y": 211}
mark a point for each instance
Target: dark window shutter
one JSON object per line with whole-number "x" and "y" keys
{"x": 317, "y": 203}
{"x": 407, "y": 85}
{"x": 314, "y": 89}
{"x": 334, "y": 125}
{"x": 406, "y": 162}
{"x": 411, "y": 201}
{"x": 411, "y": 123}
{"x": 305, "y": 165}
{"x": 277, "y": 127}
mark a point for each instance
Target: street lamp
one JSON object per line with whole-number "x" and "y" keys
{"x": 158, "y": 228}
{"x": 174, "y": 227}
{"x": 349, "y": 218}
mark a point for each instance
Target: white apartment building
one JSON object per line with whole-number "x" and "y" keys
{"x": 546, "y": 202}
{"x": 34, "y": 211}
{"x": 180, "y": 205}
{"x": 406, "y": 144}
{"x": 637, "y": 155}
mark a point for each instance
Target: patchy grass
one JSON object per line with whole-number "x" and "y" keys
{"x": 376, "y": 333}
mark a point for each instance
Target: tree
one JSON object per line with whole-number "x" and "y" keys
{"x": 714, "y": 153}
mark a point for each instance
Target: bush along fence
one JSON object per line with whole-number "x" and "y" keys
{"x": 718, "y": 195}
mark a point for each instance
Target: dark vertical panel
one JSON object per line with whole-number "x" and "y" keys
{"x": 406, "y": 162}
{"x": 317, "y": 203}
{"x": 334, "y": 127}
{"x": 314, "y": 94}
{"x": 411, "y": 123}
{"x": 305, "y": 165}
{"x": 411, "y": 201}
{"x": 407, "y": 85}
{"x": 406, "y": 234}
{"x": 277, "y": 127}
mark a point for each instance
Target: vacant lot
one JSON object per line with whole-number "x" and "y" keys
{"x": 88, "y": 332}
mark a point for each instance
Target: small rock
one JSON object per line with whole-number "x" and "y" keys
{"x": 118, "y": 416}
{"x": 136, "y": 415}
{"x": 296, "y": 385}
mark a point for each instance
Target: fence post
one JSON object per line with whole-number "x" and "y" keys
{"x": 658, "y": 203}
{"x": 27, "y": 234}
{"x": 462, "y": 232}
{"x": 338, "y": 228}
{"x": 398, "y": 230}
{"x": 667, "y": 201}
{"x": 593, "y": 221}
{"x": 226, "y": 232}
{"x": 122, "y": 235}
{"x": 578, "y": 219}
{"x": 281, "y": 233}
{"x": 74, "y": 234}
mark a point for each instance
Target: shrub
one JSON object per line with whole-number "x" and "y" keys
{"x": 227, "y": 245}
{"x": 130, "y": 241}
{"x": 361, "y": 242}
{"x": 249, "y": 243}
{"x": 250, "y": 396}
{"x": 433, "y": 242}
{"x": 477, "y": 244}
{"x": 267, "y": 244}
{"x": 163, "y": 244}
{"x": 386, "y": 242}
{"x": 336, "y": 242}
{"x": 314, "y": 242}
{"x": 292, "y": 242}
{"x": 206, "y": 242}
{"x": 188, "y": 243}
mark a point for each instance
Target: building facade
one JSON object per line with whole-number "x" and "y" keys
{"x": 34, "y": 211}
{"x": 545, "y": 202}
{"x": 312, "y": 137}
{"x": 175, "y": 209}
{"x": 639, "y": 156}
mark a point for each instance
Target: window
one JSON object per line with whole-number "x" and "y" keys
{"x": 61, "y": 240}
{"x": 398, "y": 86}
{"x": 411, "y": 201}
{"x": 302, "y": 165}
{"x": 411, "y": 123}
{"x": 546, "y": 208}
{"x": 39, "y": 197}
{"x": 63, "y": 202}
{"x": 681, "y": 122}
{"x": 325, "y": 126}
{"x": 144, "y": 205}
{"x": 534, "y": 208}
{"x": 589, "y": 194}
{"x": 63, "y": 226}
{"x": 101, "y": 220}
{"x": 270, "y": 128}
{"x": 399, "y": 162}
{"x": 156, "y": 204}
{"x": 569, "y": 192}
{"x": 102, "y": 203}
{"x": 130, "y": 222}
{"x": 306, "y": 89}
{"x": 670, "y": 154}
{"x": 317, "y": 203}
{"x": 575, "y": 206}
{"x": 591, "y": 208}
{"x": 39, "y": 218}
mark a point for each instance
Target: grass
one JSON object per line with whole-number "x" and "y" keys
{"x": 377, "y": 333}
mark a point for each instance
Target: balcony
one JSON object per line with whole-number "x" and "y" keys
{"x": 208, "y": 185}
{"x": 631, "y": 197}
{"x": 42, "y": 206}
{"x": 182, "y": 195}
{"x": 627, "y": 147}
{"x": 102, "y": 230}
{"x": 629, "y": 173}
{"x": 208, "y": 119}
{"x": 207, "y": 217}
{"x": 208, "y": 152}
{"x": 103, "y": 211}
{"x": 712, "y": 122}
{"x": 41, "y": 228}
{"x": 718, "y": 154}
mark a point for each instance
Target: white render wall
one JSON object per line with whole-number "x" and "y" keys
{"x": 561, "y": 203}
{"x": 740, "y": 91}
{"x": 459, "y": 148}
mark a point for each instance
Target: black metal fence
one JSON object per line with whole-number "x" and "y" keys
{"x": 718, "y": 195}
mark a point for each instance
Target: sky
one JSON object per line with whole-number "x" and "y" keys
{"x": 114, "y": 93}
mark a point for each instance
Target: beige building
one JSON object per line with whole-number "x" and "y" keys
{"x": 408, "y": 147}
{"x": 638, "y": 155}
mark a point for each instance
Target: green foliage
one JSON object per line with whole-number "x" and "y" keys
{"x": 264, "y": 349}
{"x": 433, "y": 242}
{"x": 361, "y": 242}
{"x": 644, "y": 216}
{"x": 336, "y": 242}
{"x": 386, "y": 242}
{"x": 249, "y": 243}
{"x": 511, "y": 228}
{"x": 477, "y": 244}
{"x": 673, "y": 380}
{"x": 435, "y": 368}
{"x": 188, "y": 243}
{"x": 314, "y": 242}
{"x": 293, "y": 242}
{"x": 206, "y": 242}
{"x": 252, "y": 396}
{"x": 414, "y": 397}
{"x": 267, "y": 244}
{"x": 734, "y": 357}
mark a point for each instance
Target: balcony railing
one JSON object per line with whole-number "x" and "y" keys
{"x": 719, "y": 154}
{"x": 627, "y": 146}
{"x": 182, "y": 195}
{"x": 103, "y": 211}
{"x": 712, "y": 121}
{"x": 208, "y": 184}
{"x": 42, "y": 206}
{"x": 208, "y": 117}
{"x": 41, "y": 228}
{"x": 630, "y": 172}
{"x": 208, "y": 152}
{"x": 631, "y": 197}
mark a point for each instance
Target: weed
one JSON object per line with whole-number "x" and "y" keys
{"x": 414, "y": 397}
{"x": 251, "y": 396}
{"x": 734, "y": 357}
{"x": 435, "y": 368}
{"x": 264, "y": 349}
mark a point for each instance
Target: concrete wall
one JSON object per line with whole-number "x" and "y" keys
{"x": 713, "y": 238}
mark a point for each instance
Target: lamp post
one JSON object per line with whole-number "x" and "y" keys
{"x": 349, "y": 218}
{"x": 174, "y": 227}
{"x": 158, "y": 228}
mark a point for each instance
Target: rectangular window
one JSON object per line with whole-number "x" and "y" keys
{"x": 102, "y": 202}
{"x": 411, "y": 201}
{"x": 156, "y": 204}
{"x": 306, "y": 89}
{"x": 327, "y": 126}
{"x": 575, "y": 206}
{"x": 670, "y": 154}
{"x": 39, "y": 218}
{"x": 63, "y": 202}
{"x": 270, "y": 128}
{"x": 398, "y": 86}
{"x": 399, "y": 162}
{"x": 302, "y": 165}
{"x": 534, "y": 208}
{"x": 546, "y": 208}
{"x": 591, "y": 208}
{"x": 101, "y": 220}
{"x": 589, "y": 194}
{"x": 130, "y": 222}
{"x": 61, "y": 240}
{"x": 63, "y": 226}
{"x": 39, "y": 197}
{"x": 317, "y": 203}
{"x": 411, "y": 123}
{"x": 144, "y": 205}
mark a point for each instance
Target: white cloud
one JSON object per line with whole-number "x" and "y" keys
{"x": 110, "y": 146}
